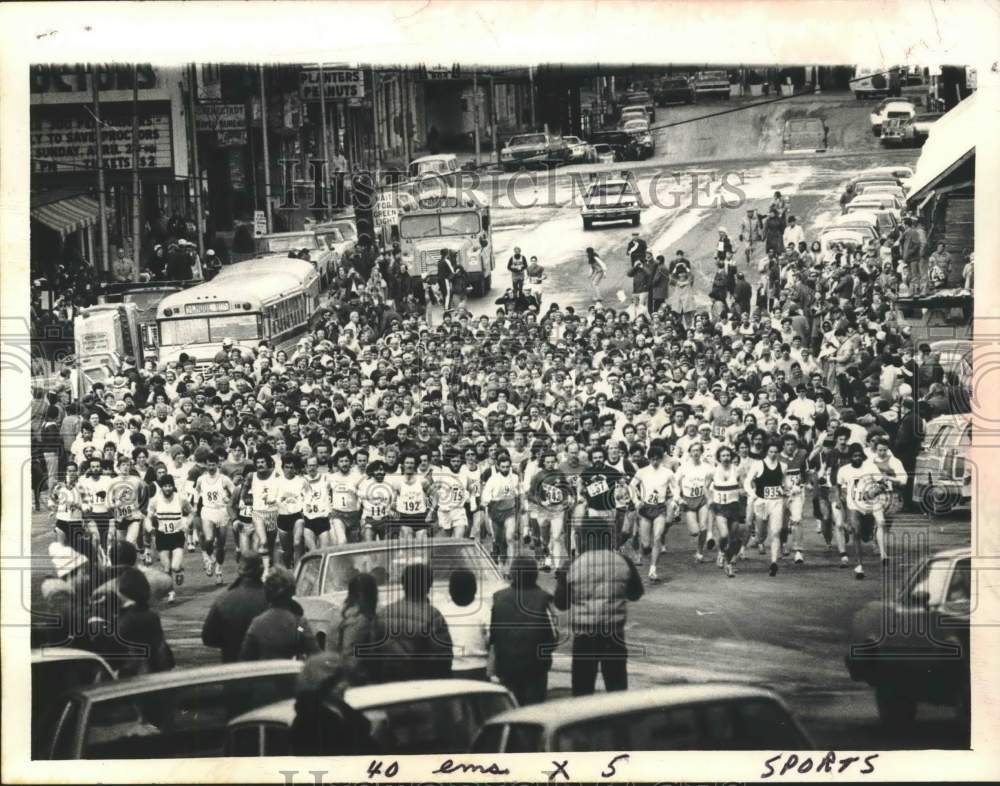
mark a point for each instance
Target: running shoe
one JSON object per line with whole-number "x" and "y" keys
{"x": 819, "y": 528}
{"x": 637, "y": 558}
{"x": 171, "y": 596}
{"x": 760, "y": 548}
{"x": 859, "y": 572}
{"x": 218, "y": 574}
{"x": 653, "y": 577}
{"x": 526, "y": 539}
{"x": 147, "y": 558}
{"x": 699, "y": 557}
{"x": 730, "y": 571}
{"x": 720, "y": 560}
{"x": 773, "y": 570}
{"x": 844, "y": 562}
{"x": 178, "y": 579}
{"x": 743, "y": 553}
{"x": 799, "y": 559}
{"x": 753, "y": 541}
{"x": 206, "y": 563}
{"x": 190, "y": 546}
{"x": 885, "y": 562}
{"x": 547, "y": 565}
{"x": 784, "y": 551}
{"x": 709, "y": 544}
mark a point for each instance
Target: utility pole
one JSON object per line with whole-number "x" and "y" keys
{"x": 493, "y": 116}
{"x": 404, "y": 97}
{"x": 101, "y": 210}
{"x": 475, "y": 113}
{"x": 326, "y": 152}
{"x": 531, "y": 94}
{"x": 267, "y": 157}
{"x": 136, "y": 228}
{"x": 376, "y": 138}
{"x": 197, "y": 168}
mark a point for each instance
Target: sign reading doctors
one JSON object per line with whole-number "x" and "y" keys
{"x": 339, "y": 84}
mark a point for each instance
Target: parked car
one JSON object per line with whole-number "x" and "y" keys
{"x": 632, "y": 113}
{"x": 322, "y": 257}
{"x": 639, "y": 129}
{"x": 174, "y": 714}
{"x": 880, "y": 187}
{"x": 889, "y": 109}
{"x": 884, "y": 221}
{"x": 407, "y": 718}
{"x": 711, "y": 83}
{"x": 54, "y": 672}
{"x": 916, "y": 132}
{"x": 870, "y": 82}
{"x": 644, "y": 99}
{"x": 860, "y": 221}
{"x": 942, "y": 478}
{"x": 611, "y": 200}
{"x": 578, "y": 149}
{"x": 603, "y": 153}
{"x": 853, "y": 238}
{"x": 675, "y": 90}
{"x": 621, "y": 143}
{"x": 712, "y": 716}
{"x": 915, "y": 647}
{"x": 895, "y": 172}
{"x": 876, "y": 200}
{"x": 541, "y": 150}
{"x": 339, "y": 235}
{"x": 322, "y": 575}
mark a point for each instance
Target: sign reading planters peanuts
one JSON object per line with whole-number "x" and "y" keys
{"x": 338, "y": 84}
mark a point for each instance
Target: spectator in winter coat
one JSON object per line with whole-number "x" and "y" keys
{"x": 281, "y": 631}
{"x": 723, "y": 246}
{"x": 774, "y": 232}
{"x": 596, "y": 589}
{"x": 639, "y": 273}
{"x": 659, "y": 284}
{"x": 418, "y": 628}
{"x": 228, "y": 620}
{"x": 522, "y": 634}
{"x": 358, "y": 635}
{"x": 324, "y": 724}
{"x": 742, "y": 294}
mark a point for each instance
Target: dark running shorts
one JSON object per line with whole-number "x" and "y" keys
{"x": 651, "y": 512}
{"x": 318, "y": 525}
{"x": 168, "y": 541}
{"x": 286, "y": 521}
{"x": 729, "y": 510}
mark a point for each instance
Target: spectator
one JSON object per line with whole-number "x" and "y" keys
{"x": 470, "y": 639}
{"x": 599, "y": 583}
{"x": 419, "y": 629}
{"x": 232, "y": 613}
{"x": 358, "y": 636}
{"x": 523, "y": 633}
{"x": 324, "y": 724}
{"x": 281, "y": 631}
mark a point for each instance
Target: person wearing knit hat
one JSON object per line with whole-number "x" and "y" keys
{"x": 232, "y": 612}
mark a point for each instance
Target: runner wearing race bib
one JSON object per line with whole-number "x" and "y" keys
{"x": 793, "y": 463}
{"x": 860, "y": 482}
{"x": 893, "y": 479}
{"x": 651, "y": 492}
{"x": 241, "y": 511}
{"x": 766, "y": 483}
{"x": 291, "y": 498}
{"x": 452, "y": 495}
{"x": 549, "y": 493}
{"x": 263, "y": 492}
{"x": 65, "y": 503}
{"x": 214, "y": 493}
{"x": 167, "y": 516}
{"x": 95, "y": 488}
{"x": 412, "y": 501}
{"x": 345, "y": 509}
{"x": 471, "y": 475}
{"x": 128, "y": 498}
{"x": 316, "y": 506}
{"x": 501, "y": 494}
{"x": 377, "y": 500}
{"x": 726, "y": 507}
{"x": 692, "y": 484}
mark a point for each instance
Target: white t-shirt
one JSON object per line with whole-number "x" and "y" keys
{"x": 653, "y": 484}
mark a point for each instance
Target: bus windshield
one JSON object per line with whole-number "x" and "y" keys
{"x": 443, "y": 225}
{"x": 211, "y": 330}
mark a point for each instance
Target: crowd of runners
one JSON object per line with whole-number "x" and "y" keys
{"x": 516, "y": 429}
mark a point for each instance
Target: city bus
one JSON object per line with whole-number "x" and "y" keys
{"x": 447, "y": 218}
{"x": 268, "y": 299}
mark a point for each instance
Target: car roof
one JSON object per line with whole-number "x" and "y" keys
{"x": 296, "y": 233}
{"x": 891, "y": 170}
{"x": 958, "y": 420}
{"x": 365, "y": 697}
{"x": 61, "y": 654}
{"x": 958, "y": 551}
{"x": 387, "y": 545}
{"x": 436, "y": 157}
{"x": 562, "y": 712}
{"x": 176, "y": 678}
{"x": 950, "y": 345}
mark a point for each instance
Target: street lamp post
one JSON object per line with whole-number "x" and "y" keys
{"x": 101, "y": 210}
{"x": 326, "y": 152}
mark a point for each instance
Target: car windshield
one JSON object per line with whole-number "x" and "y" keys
{"x": 930, "y": 577}
{"x": 201, "y": 330}
{"x": 444, "y": 225}
{"x": 386, "y": 565}
{"x": 527, "y": 139}
{"x": 602, "y": 148}
{"x": 609, "y": 190}
{"x": 636, "y": 125}
{"x": 429, "y": 167}
{"x": 713, "y": 75}
{"x": 278, "y": 245}
{"x": 571, "y": 140}
{"x": 638, "y": 97}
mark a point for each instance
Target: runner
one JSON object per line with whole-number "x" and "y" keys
{"x": 129, "y": 498}
{"x": 549, "y": 494}
{"x": 598, "y": 270}
{"x": 692, "y": 484}
{"x": 167, "y": 516}
{"x": 793, "y": 464}
{"x": 860, "y": 483}
{"x": 214, "y": 495}
{"x": 377, "y": 504}
{"x": 316, "y": 507}
{"x": 501, "y": 496}
{"x": 241, "y": 513}
{"x": 95, "y": 488}
{"x": 414, "y": 504}
{"x": 651, "y": 493}
{"x": 893, "y": 481}
{"x": 452, "y": 496}
{"x": 261, "y": 490}
{"x": 65, "y": 504}
{"x": 471, "y": 475}
{"x": 766, "y": 488}
{"x": 345, "y": 510}
{"x": 726, "y": 508}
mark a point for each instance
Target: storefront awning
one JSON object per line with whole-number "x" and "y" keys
{"x": 67, "y": 215}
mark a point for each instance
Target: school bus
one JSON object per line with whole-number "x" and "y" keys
{"x": 267, "y": 299}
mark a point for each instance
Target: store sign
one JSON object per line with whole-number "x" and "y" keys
{"x": 338, "y": 84}
{"x": 259, "y": 223}
{"x": 63, "y": 138}
{"x": 77, "y": 78}
{"x": 216, "y": 117}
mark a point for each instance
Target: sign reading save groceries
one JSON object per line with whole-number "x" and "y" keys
{"x": 339, "y": 84}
